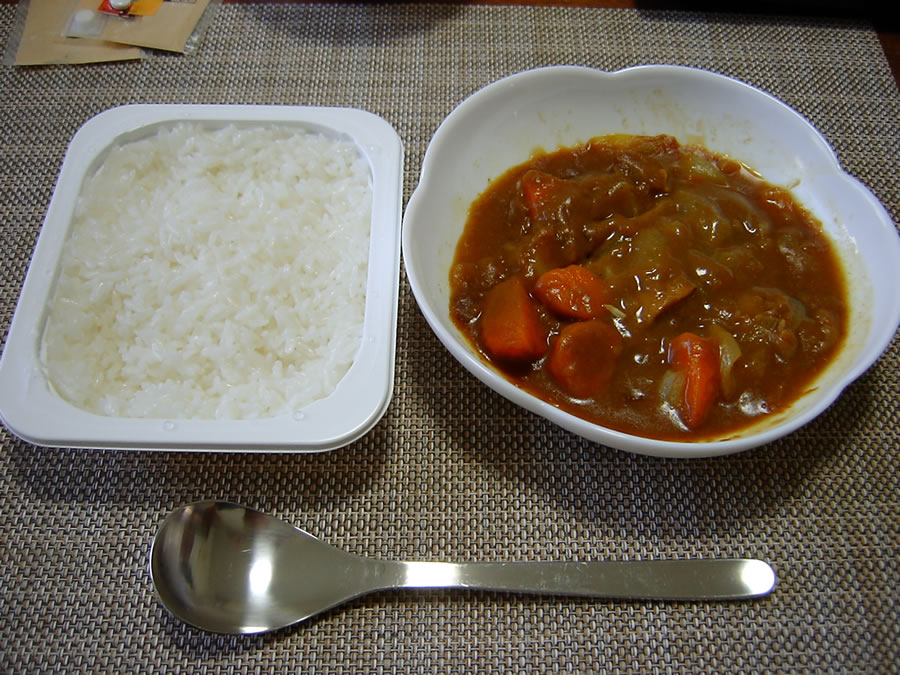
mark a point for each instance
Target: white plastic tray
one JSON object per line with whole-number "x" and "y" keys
{"x": 32, "y": 411}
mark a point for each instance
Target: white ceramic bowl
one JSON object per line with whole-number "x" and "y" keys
{"x": 499, "y": 127}
{"x": 30, "y": 408}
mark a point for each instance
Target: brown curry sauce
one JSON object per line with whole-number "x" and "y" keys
{"x": 686, "y": 245}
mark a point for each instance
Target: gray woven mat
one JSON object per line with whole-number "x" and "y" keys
{"x": 453, "y": 471}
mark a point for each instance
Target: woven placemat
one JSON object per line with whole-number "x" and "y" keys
{"x": 453, "y": 471}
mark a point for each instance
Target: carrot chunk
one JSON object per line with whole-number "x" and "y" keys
{"x": 573, "y": 292}
{"x": 510, "y": 325}
{"x": 540, "y": 191}
{"x": 697, "y": 359}
{"x": 582, "y": 359}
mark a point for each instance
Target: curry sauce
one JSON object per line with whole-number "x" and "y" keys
{"x": 649, "y": 287}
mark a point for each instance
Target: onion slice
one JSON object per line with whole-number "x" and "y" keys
{"x": 729, "y": 353}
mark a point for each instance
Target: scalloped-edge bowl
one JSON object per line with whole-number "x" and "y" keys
{"x": 33, "y": 411}
{"x": 502, "y": 124}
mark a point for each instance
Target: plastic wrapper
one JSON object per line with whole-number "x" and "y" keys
{"x": 80, "y": 31}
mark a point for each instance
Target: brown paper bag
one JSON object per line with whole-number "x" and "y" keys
{"x": 42, "y": 41}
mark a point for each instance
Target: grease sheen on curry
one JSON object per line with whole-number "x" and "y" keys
{"x": 657, "y": 289}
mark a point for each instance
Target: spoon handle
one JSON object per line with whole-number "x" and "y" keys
{"x": 695, "y": 579}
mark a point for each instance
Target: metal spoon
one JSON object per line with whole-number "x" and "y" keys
{"x": 230, "y": 569}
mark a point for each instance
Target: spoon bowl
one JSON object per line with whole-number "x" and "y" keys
{"x": 230, "y": 569}
{"x": 226, "y": 568}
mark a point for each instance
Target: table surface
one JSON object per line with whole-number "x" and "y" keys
{"x": 452, "y": 471}
{"x": 882, "y": 18}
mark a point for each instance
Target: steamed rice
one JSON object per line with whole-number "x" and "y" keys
{"x": 216, "y": 274}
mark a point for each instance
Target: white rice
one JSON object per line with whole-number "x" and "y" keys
{"x": 212, "y": 274}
